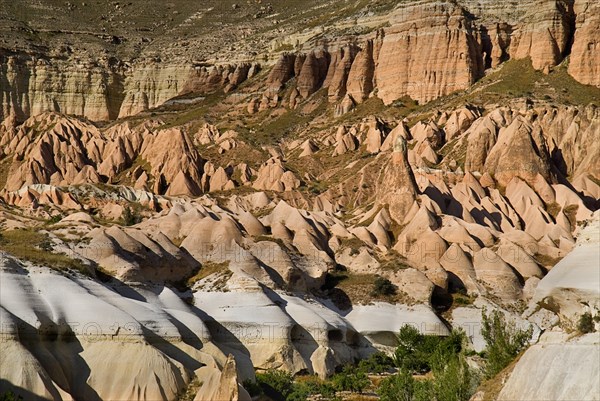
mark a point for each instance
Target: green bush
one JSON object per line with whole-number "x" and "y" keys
{"x": 54, "y": 219}
{"x": 453, "y": 378}
{"x": 276, "y": 380}
{"x": 311, "y": 386}
{"x": 403, "y": 387}
{"x": 130, "y": 216}
{"x": 252, "y": 387}
{"x": 376, "y": 363}
{"x": 383, "y": 286}
{"x": 415, "y": 350}
{"x": 10, "y": 396}
{"x": 399, "y": 387}
{"x": 504, "y": 341}
{"x": 350, "y": 379}
{"x": 282, "y": 384}
{"x": 586, "y": 323}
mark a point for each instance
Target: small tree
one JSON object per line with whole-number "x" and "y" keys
{"x": 276, "y": 380}
{"x": 350, "y": 379}
{"x": 453, "y": 378}
{"x": 376, "y": 363}
{"x": 403, "y": 387}
{"x": 130, "y": 216}
{"x": 383, "y": 286}
{"x": 399, "y": 387}
{"x": 504, "y": 341}
{"x": 586, "y": 323}
{"x": 415, "y": 350}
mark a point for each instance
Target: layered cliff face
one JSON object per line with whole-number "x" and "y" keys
{"x": 108, "y": 89}
{"x": 429, "y": 51}
{"x": 31, "y": 86}
{"x": 585, "y": 54}
{"x": 544, "y": 34}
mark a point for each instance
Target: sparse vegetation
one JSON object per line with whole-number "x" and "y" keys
{"x": 207, "y": 269}
{"x": 35, "y": 247}
{"x": 278, "y": 384}
{"x": 504, "y": 341}
{"x": 351, "y": 379}
{"x": 130, "y": 216}
{"x": 383, "y": 286}
{"x": 10, "y": 396}
{"x": 586, "y": 323}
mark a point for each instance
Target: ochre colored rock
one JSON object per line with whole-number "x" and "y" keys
{"x": 360, "y": 80}
{"x": 584, "y": 64}
{"x": 429, "y": 51}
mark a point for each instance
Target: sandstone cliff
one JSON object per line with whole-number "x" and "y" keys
{"x": 585, "y": 54}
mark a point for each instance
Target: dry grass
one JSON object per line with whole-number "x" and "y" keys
{"x": 4, "y": 169}
{"x": 32, "y": 246}
{"x": 207, "y": 269}
{"x": 553, "y": 209}
{"x": 491, "y": 388}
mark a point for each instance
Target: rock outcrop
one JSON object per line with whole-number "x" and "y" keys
{"x": 398, "y": 189}
{"x": 544, "y": 34}
{"x": 585, "y": 54}
{"x": 429, "y": 51}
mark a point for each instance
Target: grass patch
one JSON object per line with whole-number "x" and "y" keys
{"x": 553, "y": 209}
{"x": 571, "y": 213}
{"x": 272, "y": 130}
{"x": 4, "y": 169}
{"x": 354, "y": 244}
{"x": 207, "y": 269}
{"x": 35, "y": 247}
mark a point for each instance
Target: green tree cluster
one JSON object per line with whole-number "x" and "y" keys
{"x": 504, "y": 341}
{"x": 451, "y": 379}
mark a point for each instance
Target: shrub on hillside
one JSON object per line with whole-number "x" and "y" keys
{"x": 504, "y": 341}
{"x": 586, "y": 323}
{"x": 383, "y": 286}
{"x": 350, "y": 379}
{"x": 130, "y": 216}
{"x": 415, "y": 350}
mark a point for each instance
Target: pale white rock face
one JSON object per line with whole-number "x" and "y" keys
{"x": 380, "y": 322}
{"x": 469, "y": 319}
{"x": 265, "y": 329}
{"x": 131, "y": 333}
{"x": 557, "y": 369}
{"x": 573, "y": 285}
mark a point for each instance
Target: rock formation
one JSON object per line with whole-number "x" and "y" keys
{"x": 429, "y": 51}
{"x": 583, "y": 65}
{"x": 398, "y": 188}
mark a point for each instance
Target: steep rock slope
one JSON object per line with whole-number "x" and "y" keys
{"x": 425, "y": 50}
{"x": 429, "y": 51}
{"x": 561, "y": 366}
{"x": 584, "y": 62}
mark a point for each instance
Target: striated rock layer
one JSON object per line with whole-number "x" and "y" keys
{"x": 584, "y": 65}
{"x": 429, "y": 51}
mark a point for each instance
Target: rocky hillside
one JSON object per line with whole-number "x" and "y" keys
{"x": 104, "y": 62}
{"x": 192, "y": 208}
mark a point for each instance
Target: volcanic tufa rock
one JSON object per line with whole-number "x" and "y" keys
{"x": 584, "y": 64}
{"x": 360, "y": 80}
{"x": 528, "y": 154}
{"x": 222, "y": 385}
{"x": 398, "y": 188}
{"x": 543, "y": 35}
{"x": 272, "y": 176}
{"x": 429, "y": 51}
{"x": 313, "y": 73}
